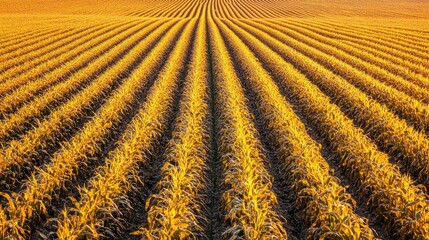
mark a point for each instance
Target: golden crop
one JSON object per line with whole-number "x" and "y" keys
{"x": 214, "y": 119}
{"x": 355, "y": 151}
{"x": 248, "y": 198}
{"x": 174, "y": 211}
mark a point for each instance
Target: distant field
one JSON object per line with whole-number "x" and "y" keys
{"x": 214, "y": 119}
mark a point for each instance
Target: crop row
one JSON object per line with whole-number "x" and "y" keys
{"x": 248, "y": 199}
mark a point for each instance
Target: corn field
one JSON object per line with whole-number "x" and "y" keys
{"x": 214, "y": 119}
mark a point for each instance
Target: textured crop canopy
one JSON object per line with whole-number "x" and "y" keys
{"x": 214, "y": 119}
